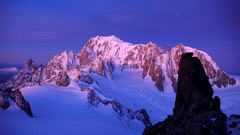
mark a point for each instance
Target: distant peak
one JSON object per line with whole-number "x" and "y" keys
{"x": 181, "y": 45}
{"x": 151, "y": 44}
{"x": 184, "y": 47}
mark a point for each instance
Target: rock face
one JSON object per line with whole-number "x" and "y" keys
{"x": 104, "y": 55}
{"x": 18, "y": 98}
{"x": 195, "y": 111}
{"x": 86, "y": 78}
{"x": 27, "y": 76}
{"x": 4, "y": 103}
{"x": 62, "y": 79}
{"x": 194, "y": 92}
{"x": 216, "y": 75}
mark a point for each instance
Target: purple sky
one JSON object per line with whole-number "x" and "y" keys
{"x": 39, "y": 29}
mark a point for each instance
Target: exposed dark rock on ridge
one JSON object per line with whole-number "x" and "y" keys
{"x": 195, "y": 111}
{"x": 95, "y": 99}
{"x": 62, "y": 79}
{"x": 4, "y": 103}
{"x": 29, "y": 75}
{"x": 16, "y": 97}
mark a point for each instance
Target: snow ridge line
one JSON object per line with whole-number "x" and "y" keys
{"x": 94, "y": 98}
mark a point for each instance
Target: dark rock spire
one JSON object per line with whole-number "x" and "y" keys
{"x": 195, "y": 111}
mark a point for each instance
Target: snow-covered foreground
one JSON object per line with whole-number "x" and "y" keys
{"x": 63, "y": 111}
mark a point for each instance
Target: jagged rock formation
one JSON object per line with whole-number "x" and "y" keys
{"x": 62, "y": 79}
{"x": 4, "y": 103}
{"x": 194, "y": 90}
{"x": 59, "y": 67}
{"x": 195, "y": 111}
{"x": 103, "y": 55}
{"x": 28, "y": 76}
{"x": 17, "y": 97}
{"x": 95, "y": 98}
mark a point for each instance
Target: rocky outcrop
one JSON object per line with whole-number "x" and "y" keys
{"x": 193, "y": 90}
{"x": 86, "y": 78}
{"x": 27, "y": 76}
{"x": 4, "y": 103}
{"x": 101, "y": 69}
{"x": 223, "y": 80}
{"x": 62, "y": 79}
{"x": 20, "y": 101}
{"x": 195, "y": 111}
{"x": 155, "y": 72}
{"x": 17, "y": 97}
{"x": 59, "y": 66}
{"x": 94, "y": 98}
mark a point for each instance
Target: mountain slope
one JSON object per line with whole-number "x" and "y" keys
{"x": 63, "y": 111}
{"x": 108, "y": 81}
{"x": 104, "y": 55}
{"x": 66, "y": 110}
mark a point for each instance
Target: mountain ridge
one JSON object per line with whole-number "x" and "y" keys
{"x": 104, "y": 54}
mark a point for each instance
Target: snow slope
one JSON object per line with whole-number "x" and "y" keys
{"x": 129, "y": 89}
{"x": 61, "y": 111}
{"x": 105, "y": 54}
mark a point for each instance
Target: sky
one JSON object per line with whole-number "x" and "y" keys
{"x": 40, "y": 29}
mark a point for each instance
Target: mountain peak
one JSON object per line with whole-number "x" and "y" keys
{"x": 104, "y": 54}
{"x": 111, "y": 38}
{"x": 182, "y": 46}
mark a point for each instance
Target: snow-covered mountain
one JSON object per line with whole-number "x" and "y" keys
{"x": 104, "y": 55}
{"x": 109, "y": 84}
